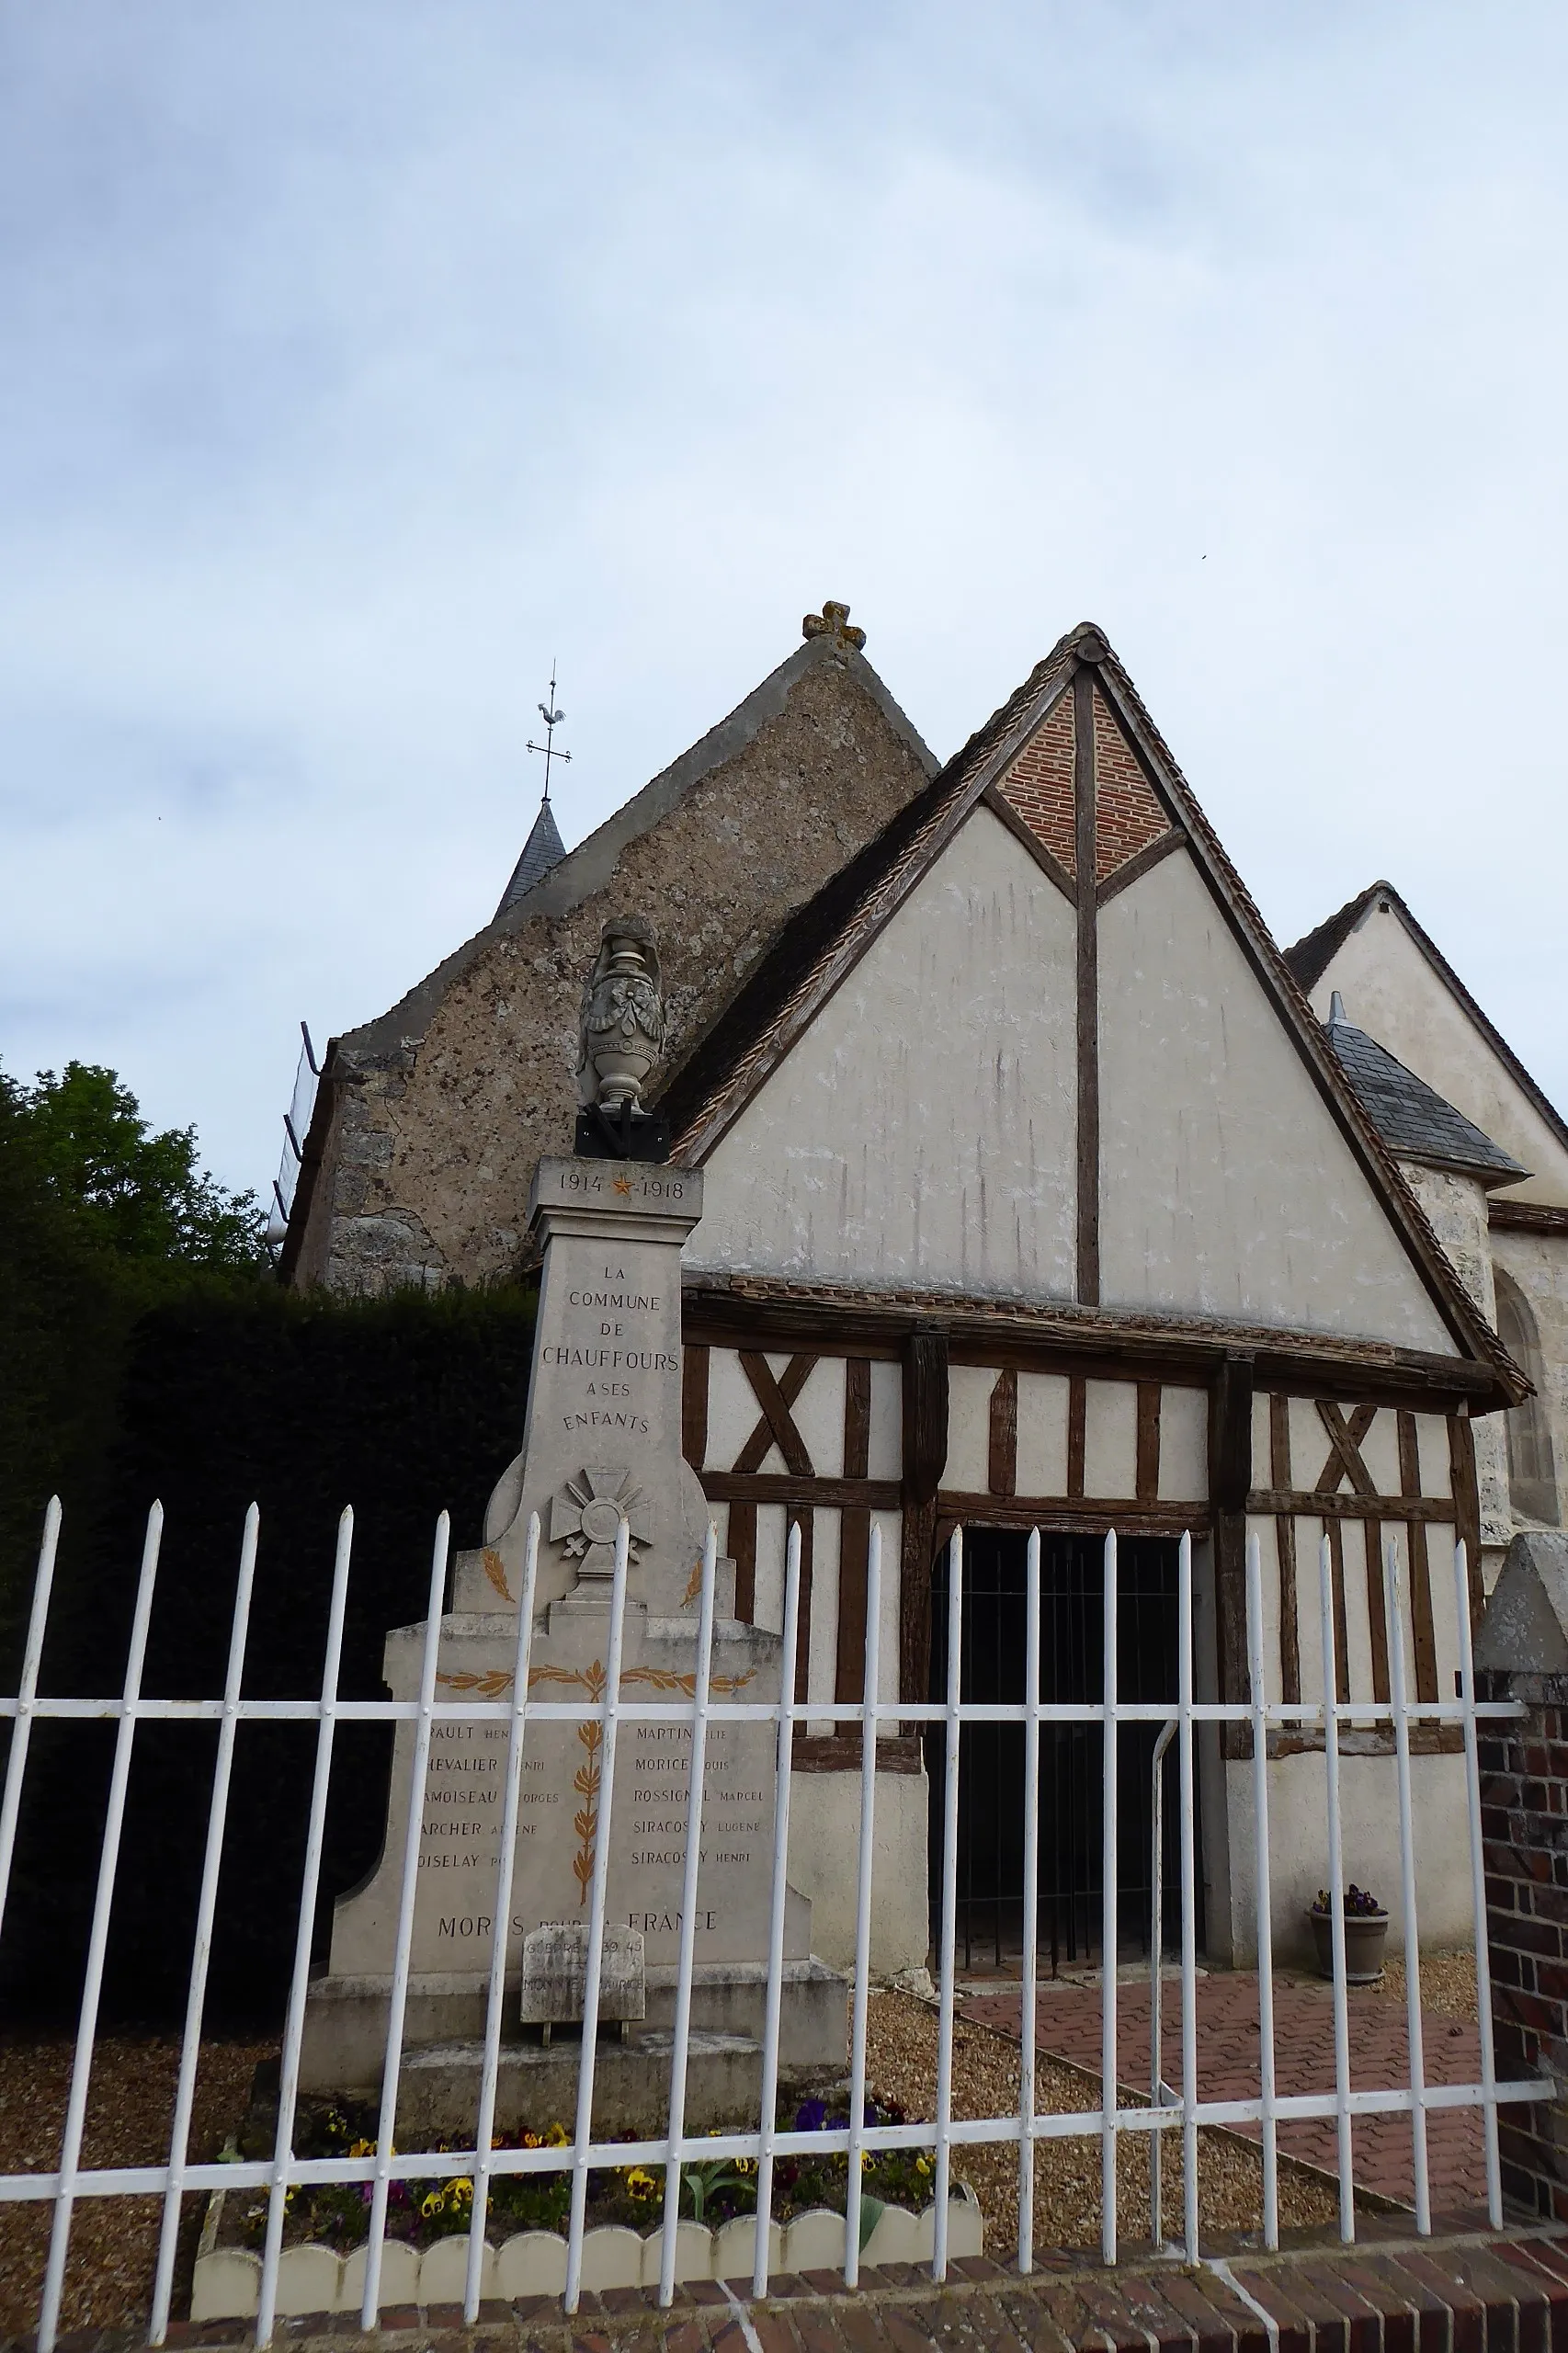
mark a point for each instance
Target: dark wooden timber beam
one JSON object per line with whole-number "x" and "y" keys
{"x": 784, "y": 1487}
{"x": 1099, "y": 1346}
{"x": 1076, "y": 1515}
{"x": 925, "y": 1460}
{"x": 1230, "y": 1484}
{"x": 1297, "y": 1502}
{"x": 1088, "y": 992}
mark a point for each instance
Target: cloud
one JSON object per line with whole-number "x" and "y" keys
{"x": 361, "y": 358}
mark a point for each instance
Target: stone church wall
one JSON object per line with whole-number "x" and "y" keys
{"x": 432, "y": 1119}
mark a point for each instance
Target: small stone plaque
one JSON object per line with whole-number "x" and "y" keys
{"x": 555, "y": 1974}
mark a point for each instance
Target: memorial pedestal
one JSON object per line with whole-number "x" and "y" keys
{"x": 602, "y": 1438}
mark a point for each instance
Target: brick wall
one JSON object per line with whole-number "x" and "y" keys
{"x": 1128, "y": 817}
{"x": 1524, "y": 1799}
{"x": 1040, "y": 786}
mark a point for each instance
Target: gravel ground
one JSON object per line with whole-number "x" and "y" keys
{"x": 902, "y": 2061}
{"x": 1448, "y": 1984}
{"x": 114, "y": 2241}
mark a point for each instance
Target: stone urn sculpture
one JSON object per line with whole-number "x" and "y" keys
{"x": 622, "y": 1027}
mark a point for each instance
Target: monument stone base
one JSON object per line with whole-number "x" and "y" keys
{"x": 537, "y": 2085}
{"x": 601, "y": 1454}
{"x": 346, "y": 2021}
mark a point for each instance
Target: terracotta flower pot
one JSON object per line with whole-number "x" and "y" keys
{"x": 1364, "y": 1935}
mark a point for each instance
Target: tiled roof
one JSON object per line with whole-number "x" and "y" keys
{"x": 1311, "y": 957}
{"x": 543, "y": 850}
{"x": 1413, "y": 1119}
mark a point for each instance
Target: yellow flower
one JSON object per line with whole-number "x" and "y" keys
{"x": 746, "y": 2165}
{"x": 558, "y": 2137}
{"x": 641, "y": 2183}
{"x": 362, "y": 2149}
{"x": 461, "y": 2188}
{"x": 434, "y": 2204}
{"x": 922, "y": 2165}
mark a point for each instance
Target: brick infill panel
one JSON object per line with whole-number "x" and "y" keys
{"x": 1483, "y": 2292}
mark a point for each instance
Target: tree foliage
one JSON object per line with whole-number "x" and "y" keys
{"x": 81, "y": 1141}
{"x": 100, "y": 1220}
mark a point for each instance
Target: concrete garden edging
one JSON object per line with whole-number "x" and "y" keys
{"x": 315, "y": 2279}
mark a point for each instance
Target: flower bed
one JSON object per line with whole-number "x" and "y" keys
{"x": 421, "y": 2213}
{"x": 428, "y": 2223}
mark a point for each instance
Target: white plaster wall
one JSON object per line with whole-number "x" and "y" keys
{"x": 818, "y": 1414}
{"x": 885, "y": 1454}
{"x": 922, "y": 1131}
{"x": 1184, "y": 1445}
{"x": 1298, "y": 1840}
{"x": 1392, "y": 992}
{"x": 733, "y": 1412}
{"x": 1042, "y": 1434}
{"x": 1111, "y": 1437}
{"x": 824, "y": 1838}
{"x": 968, "y": 1467}
{"x": 1226, "y": 1186}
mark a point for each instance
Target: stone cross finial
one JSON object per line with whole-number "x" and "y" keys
{"x": 833, "y": 621}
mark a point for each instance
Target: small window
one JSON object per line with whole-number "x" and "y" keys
{"x": 1532, "y": 1478}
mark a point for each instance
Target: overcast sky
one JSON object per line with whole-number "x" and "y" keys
{"x": 355, "y": 361}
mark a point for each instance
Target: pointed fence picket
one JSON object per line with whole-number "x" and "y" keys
{"x": 65, "y": 2185}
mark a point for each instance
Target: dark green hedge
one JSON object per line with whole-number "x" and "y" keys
{"x": 400, "y": 1407}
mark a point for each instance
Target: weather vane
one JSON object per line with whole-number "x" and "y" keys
{"x": 552, "y": 719}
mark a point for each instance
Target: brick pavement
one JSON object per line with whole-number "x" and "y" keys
{"x": 1505, "y": 2292}
{"x": 1069, "y": 2026}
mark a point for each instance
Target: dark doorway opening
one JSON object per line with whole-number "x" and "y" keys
{"x": 991, "y": 1756}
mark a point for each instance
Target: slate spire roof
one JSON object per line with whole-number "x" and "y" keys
{"x": 1413, "y": 1119}
{"x": 1311, "y": 957}
{"x": 543, "y": 850}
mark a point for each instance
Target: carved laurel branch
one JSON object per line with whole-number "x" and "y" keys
{"x": 495, "y": 1682}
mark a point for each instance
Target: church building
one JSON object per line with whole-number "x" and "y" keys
{"x": 1041, "y": 1191}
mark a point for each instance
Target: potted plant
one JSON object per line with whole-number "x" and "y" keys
{"x": 1366, "y": 1925}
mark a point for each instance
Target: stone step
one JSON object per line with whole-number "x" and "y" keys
{"x": 346, "y": 2020}
{"x": 537, "y": 2085}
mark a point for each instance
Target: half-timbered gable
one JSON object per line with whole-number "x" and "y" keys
{"x": 1037, "y": 1197}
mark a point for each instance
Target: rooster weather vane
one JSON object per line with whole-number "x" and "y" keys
{"x": 552, "y": 719}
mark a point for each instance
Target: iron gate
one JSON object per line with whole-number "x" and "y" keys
{"x": 990, "y": 1796}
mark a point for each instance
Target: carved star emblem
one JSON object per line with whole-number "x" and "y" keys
{"x": 623, "y": 1184}
{"x": 587, "y": 1513}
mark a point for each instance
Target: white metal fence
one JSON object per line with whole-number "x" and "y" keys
{"x": 1183, "y": 2111}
